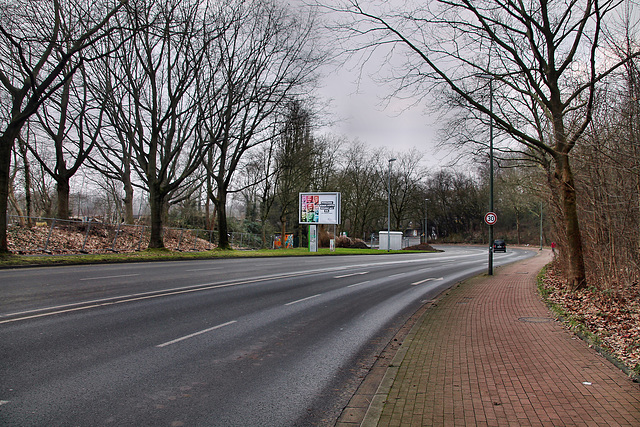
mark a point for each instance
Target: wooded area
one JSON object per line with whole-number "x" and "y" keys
{"x": 201, "y": 115}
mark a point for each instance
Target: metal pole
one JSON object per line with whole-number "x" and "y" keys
{"x": 389, "y": 208}
{"x": 490, "y": 272}
{"x": 426, "y": 235}
{"x": 540, "y": 225}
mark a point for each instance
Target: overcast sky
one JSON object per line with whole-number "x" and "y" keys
{"x": 360, "y": 113}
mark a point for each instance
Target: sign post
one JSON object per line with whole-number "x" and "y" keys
{"x": 315, "y": 209}
{"x": 490, "y": 218}
{"x": 313, "y": 238}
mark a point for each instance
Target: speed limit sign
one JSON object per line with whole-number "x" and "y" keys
{"x": 491, "y": 218}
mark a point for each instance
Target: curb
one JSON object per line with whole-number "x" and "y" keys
{"x": 372, "y": 416}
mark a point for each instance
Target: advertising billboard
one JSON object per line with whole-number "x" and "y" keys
{"x": 319, "y": 208}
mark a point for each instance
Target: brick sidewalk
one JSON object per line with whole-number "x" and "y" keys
{"x": 488, "y": 353}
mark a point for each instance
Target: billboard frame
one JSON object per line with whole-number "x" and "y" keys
{"x": 331, "y": 201}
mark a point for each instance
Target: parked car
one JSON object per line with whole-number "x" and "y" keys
{"x": 499, "y": 246}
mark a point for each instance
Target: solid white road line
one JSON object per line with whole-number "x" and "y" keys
{"x": 110, "y": 277}
{"x": 350, "y": 274}
{"x": 106, "y": 302}
{"x": 206, "y": 269}
{"x": 195, "y": 334}
{"x": 303, "y": 299}
{"x": 66, "y": 308}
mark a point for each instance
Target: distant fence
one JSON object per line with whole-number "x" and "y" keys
{"x": 56, "y": 236}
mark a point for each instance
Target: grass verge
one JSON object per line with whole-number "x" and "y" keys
{"x": 12, "y": 260}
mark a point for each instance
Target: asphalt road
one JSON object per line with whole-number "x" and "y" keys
{"x": 241, "y": 342}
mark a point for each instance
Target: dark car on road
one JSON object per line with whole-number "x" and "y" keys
{"x": 499, "y": 246}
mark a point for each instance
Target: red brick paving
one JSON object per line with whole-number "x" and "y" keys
{"x": 489, "y": 354}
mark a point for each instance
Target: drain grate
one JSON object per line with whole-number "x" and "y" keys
{"x": 535, "y": 319}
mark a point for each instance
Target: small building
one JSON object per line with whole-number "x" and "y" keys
{"x": 390, "y": 240}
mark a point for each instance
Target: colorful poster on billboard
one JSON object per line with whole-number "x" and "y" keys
{"x": 319, "y": 208}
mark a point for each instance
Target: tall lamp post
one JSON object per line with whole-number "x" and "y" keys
{"x": 426, "y": 232}
{"x": 490, "y": 272}
{"x": 389, "y": 207}
{"x": 540, "y": 225}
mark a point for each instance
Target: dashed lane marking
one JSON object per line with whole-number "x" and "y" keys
{"x": 303, "y": 299}
{"x": 109, "y": 277}
{"x": 350, "y": 274}
{"x": 204, "y": 331}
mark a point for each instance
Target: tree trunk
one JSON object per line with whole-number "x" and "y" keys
{"x": 128, "y": 191}
{"x": 576, "y": 276}
{"x": 128, "y": 202}
{"x": 263, "y": 233}
{"x": 223, "y": 231}
{"x": 63, "y": 190}
{"x": 6, "y": 143}
{"x": 518, "y": 225}
{"x": 207, "y": 214}
{"x": 156, "y": 203}
{"x": 22, "y": 145}
{"x": 16, "y": 205}
{"x": 211, "y": 219}
{"x": 283, "y": 232}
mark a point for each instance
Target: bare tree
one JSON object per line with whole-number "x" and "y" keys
{"x": 363, "y": 194}
{"x": 155, "y": 114}
{"x": 454, "y": 203}
{"x": 608, "y": 170}
{"x": 264, "y": 57}
{"x": 72, "y": 122}
{"x": 114, "y": 152}
{"x": 258, "y": 175}
{"x": 540, "y": 61}
{"x": 406, "y": 177}
{"x": 295, "y": 157}
{"x": 36, "y": 54}
{"x": 26, "y": 166}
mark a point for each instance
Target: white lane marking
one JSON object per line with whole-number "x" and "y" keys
{"x": 427, "y": 280}
{"x": 350, "y": 274}
{"x": 206, "y": 269}
{"x": 303, "y": 299}
{"x": 358, "y": 284}
{"x": 195, "y": 334}
{"x": 397, "y": 275}
{"x": 110, "y": 277}
{"x": 66, "y": 308}
{"x": 3, "y": 402}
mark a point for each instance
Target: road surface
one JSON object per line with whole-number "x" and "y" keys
{"x": 251, "y": 342}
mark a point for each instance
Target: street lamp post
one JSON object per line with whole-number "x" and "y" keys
{"x": 540, "y": 225}
{"x": 389, "y": 208}
{"x": 490, "y": 272}
{"x": 426, "y": 235}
